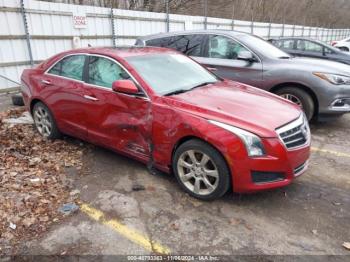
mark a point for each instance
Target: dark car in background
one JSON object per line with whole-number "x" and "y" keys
{"x": 298, "y": 46}
{"x": 321, "y": 88}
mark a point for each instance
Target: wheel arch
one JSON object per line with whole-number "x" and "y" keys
{"x": 37, "y": 100}
{"x": 186, "y": 138}
{"x": 300, "y": 86}
{"x": 33, "y": 102}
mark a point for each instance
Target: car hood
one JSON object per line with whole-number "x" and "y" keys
{"x": 239, "y": 105}
{"x": 319, "y": 65}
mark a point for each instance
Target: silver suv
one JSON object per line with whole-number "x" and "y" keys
{"x": 321, "y": 88}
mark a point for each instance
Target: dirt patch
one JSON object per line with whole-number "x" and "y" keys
{"x": 34, "y": 181}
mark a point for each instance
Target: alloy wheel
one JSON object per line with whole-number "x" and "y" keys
{"x": 293, "y": 99}
{"x": 198, "y": 172}
{"x": 42, "y": 121}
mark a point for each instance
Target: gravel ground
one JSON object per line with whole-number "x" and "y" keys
{"x": 309, "y": 217}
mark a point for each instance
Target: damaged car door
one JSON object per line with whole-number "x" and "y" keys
{"x": 117, "y": 120}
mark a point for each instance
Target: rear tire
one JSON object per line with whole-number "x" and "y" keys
{"x": 17, "y": 100}
{"x": 300, "y": 97}
{"x": 45, "y": 122}
{"x": 201, "y": 170}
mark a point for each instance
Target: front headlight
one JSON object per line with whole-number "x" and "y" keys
{"x": 251, "y": 141}
{"x": 334, "y": 79}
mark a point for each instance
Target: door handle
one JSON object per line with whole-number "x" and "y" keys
{"x": 46, "y": 82}
{"x": 90, "y": 98}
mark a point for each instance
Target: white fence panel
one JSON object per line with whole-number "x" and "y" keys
{"x": 261, "y": 29}
{"x": 51, "y": 30}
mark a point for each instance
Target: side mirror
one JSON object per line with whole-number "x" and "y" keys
{"x": 246, "y": 56}
{"x": 125, "y": 87}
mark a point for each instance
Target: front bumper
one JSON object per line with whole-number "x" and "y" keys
{"x": 340, "y": 105}
{"x": 333, "y": 99}
{"x": 277, "y": 169}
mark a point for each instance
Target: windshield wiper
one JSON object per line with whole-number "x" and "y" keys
{"x": 202, "y": 84}
{"x": 179, "y": 91}
{"x": 176, "y": 92}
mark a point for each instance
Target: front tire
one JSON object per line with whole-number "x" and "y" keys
{"x": 201, "y": 170}
{"x": 44, "y": 121}
{"x": 17, "y": 100}
{"x": 299, "y": 97}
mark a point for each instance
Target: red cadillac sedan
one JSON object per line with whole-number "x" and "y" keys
{"x": 164, "y": 109}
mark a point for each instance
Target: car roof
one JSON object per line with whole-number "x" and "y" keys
{"x": 306, "y": 39}
{"x": 121, "y": 51}
{"x": 192, "y": 32}
{"x": 294, "y": 38}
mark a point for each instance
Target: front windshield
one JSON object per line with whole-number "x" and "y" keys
{"x": 263, "y": 47}
{"x": 167, "y": 73}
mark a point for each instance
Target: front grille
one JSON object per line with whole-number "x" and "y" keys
{"x": 295, "y": 134}
{"x": 293, "y": 137}
{"x": 265, "y": 177}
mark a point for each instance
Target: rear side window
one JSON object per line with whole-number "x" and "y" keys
{"x": 159, "y": 42}
{"x": 70, "y": 67}
{"x": 303, "y": 45}
{"x": 188, "y": 44}
{"x": 287, "y": 44}
{"x": 104, "y": 71}
{"x": 275, "y": 42}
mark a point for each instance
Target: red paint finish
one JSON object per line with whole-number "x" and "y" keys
{"x": 150, "y": 128}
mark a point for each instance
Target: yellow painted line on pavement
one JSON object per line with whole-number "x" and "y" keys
{"x": 125, "y": 231}
{"x": 336, "y": 153}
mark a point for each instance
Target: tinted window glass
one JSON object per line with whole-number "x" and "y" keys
{"x": 223, "y": 47}
{"x": 287, "y": 44}
{"x": 103, "y": 72}
{"x": 188, "y": 44}
{"x": 56, "y": 70}
{"x": 194, "y": 45}
{"x": 160, "y": 42}
{"x": 303, "y": 45}
{"x": 328, "y": 50}
{"x": 71, "y": 67}
{"x": 276, "y": 42}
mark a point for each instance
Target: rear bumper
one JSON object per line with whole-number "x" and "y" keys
{"x": 26, "y": 94}
{"x": 277, "y": 169}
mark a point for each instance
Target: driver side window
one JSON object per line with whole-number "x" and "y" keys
{"x": 103, "y": 72}
{"x": 328, "y": 51}
{"x": 224, "y": 47}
